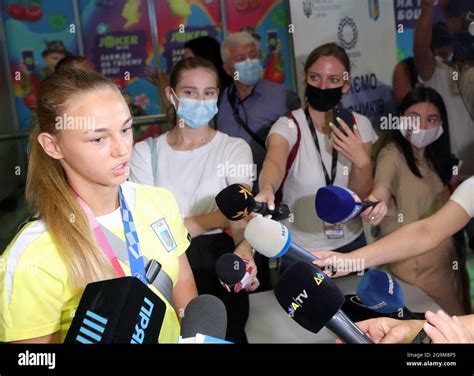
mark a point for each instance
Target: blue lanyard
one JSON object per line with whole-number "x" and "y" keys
{"x": 135, "y": 256}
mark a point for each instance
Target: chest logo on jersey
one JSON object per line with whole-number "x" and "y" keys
{"x": 164, "y": 234}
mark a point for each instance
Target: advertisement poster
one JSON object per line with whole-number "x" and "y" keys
{"x": 38, "y": 34}
{"x": 182, "y": 20}
{"x": 406, "y": 14}
{"x": 361, "y": 27}
{"x": 269, "y": 20}
{"x": 118, "y": 43}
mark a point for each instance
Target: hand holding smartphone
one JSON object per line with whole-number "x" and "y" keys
{"x": 345, "y": 115}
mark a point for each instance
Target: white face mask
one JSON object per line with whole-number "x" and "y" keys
{"x": 423, "y": 137}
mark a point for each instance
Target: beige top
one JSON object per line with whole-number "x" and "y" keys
{"x": 413, "y": 199}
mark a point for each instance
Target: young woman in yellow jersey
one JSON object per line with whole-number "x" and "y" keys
{"x": 80, "y": 148}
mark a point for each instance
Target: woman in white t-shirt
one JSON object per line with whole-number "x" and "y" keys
{"x": 324, "y": 155}
{"x": 196, "y": 162}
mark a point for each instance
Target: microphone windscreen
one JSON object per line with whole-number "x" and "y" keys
{"x": 308, "y": 295}
{"x": 110, "y": 311}
{"x": 268, "y": 237}
{"x": 230, "y": 268}
{"x": 205, "y": 314}
{"x": 380, "y": 292}
{"x": 235, "y": 202}
{"x": 335, "y": 204}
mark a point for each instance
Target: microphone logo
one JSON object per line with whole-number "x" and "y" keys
{"x": 241, "y": 214}
{"x": 92, "y": 328}
{"x": 297, "y": 303}
{"x": 246, "y": 193}
{"x": 319, "y": 278}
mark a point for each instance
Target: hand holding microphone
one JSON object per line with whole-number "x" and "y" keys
{"x": 237, "y": 202}
{"x": 378, "y": 294}
{"x": 236, "y": 274}
{"x": 335, "y": 204}
{"x": 374, "y": 214}
{"x": 388, "y": 330}
{"x": 313, "y": 301}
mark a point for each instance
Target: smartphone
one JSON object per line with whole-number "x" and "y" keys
{"x": 28, "y": 59}
{"x": 345, "y": 115}
{"x": 272, "y": 40}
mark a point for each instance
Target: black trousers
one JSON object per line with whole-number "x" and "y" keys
{"x": 202, "y": 255}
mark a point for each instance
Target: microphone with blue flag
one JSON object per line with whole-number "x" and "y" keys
{"x": 335, "y": 204}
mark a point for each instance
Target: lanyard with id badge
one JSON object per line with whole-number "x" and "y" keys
{"x": 332, "y": 231}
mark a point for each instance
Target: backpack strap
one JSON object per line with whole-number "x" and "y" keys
{"x": 151, "y": 141}
{"x": 155, "y": 275}
{"x": 291, "y": 157}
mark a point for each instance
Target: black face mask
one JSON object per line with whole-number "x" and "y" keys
{"x": 323, "y": 99}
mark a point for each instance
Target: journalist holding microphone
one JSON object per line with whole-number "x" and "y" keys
{"x": 77, "y": 186}
{"x": 413, "y": 171}
{"x": 414, "y": 239}
{"x": 318, "y": 153}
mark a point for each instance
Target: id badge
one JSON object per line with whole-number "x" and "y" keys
{"x": 333, "y": 231}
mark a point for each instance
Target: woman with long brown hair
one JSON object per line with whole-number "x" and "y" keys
{"x": 80, "y": 149}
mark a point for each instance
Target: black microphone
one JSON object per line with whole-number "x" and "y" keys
{"x": 313, "y": 300}
{"x": 237, "y": 202}
{"x": 119, "y": 310}
{"x": 233, "y": 272}
{"x": 272, "y": 239}
{"x": 205, "y": 314}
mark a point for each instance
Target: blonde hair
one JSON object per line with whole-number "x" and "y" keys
{"x": 47, "y": 188}
{"x": 241, "y": 38}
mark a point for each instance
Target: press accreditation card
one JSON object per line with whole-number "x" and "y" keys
{"x": 333, "y": 231}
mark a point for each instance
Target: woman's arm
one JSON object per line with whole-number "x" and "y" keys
{"x": 185, "y": 289}
{"x": 360, "y": 179}
{"x": 274, "y": 168}
{"x": 401, "y": 81}
{"x": 411, "y": 240}
{"x": 244, "y": 250}
{"x": 424, "y": 58}
{"x": 200, "y": 224}
{"x": 50, "y": 338}
{"x": 376, "y": 214}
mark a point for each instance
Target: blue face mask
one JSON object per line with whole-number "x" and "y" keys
{"x": 249, "y": 71}
{"x": 196, "y": 113}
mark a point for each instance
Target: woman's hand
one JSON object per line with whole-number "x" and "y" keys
{"x": 250, "y": 264}
{"x": 442, "y": 328}
{"x": 349, "y": 144}
{"x": 266, "y": 195}
{"x": 387, "y": 330}
{"x": 375, "y": 214}
{"x": 332, "y": 263}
